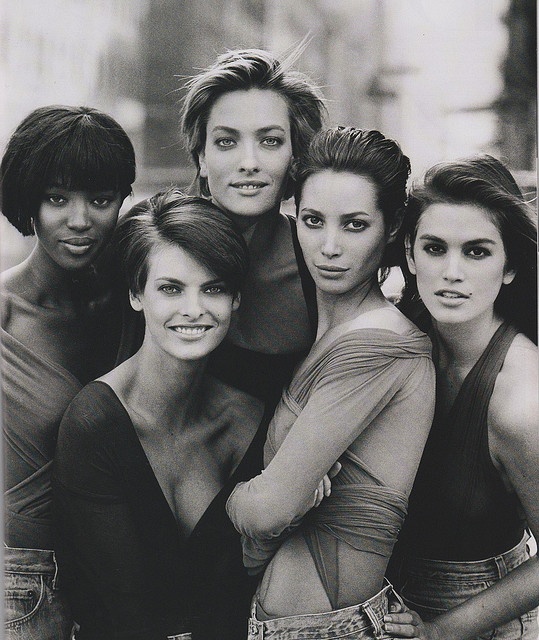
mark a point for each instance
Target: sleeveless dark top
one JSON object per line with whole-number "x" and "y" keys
{"x": 459, "y": 508}
{"x": 264, "y": 375}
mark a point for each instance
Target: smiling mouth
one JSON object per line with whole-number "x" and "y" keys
{"x": 191, "y": 331}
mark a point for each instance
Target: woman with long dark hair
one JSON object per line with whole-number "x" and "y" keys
{"x": 471, "y": 271}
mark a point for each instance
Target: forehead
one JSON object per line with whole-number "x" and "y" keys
{"x": 250, "y": 109}
{"x": 339, "y": 192}
{"x": 458, "y": 223}
{"x": 170, "y": 261}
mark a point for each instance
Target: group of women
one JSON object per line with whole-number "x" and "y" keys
{"x": 215, "y": 424}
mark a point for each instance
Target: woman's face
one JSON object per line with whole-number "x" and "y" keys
{"x": 459, "y": 260}
{"x": 187, "y": 309}
{"x": 341, "y": 230}
{"x": 248, "y": 153}
{"x": 73, "y": 227}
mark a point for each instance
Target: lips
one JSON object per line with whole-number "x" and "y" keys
{"x": 77, "y": 245}
{"x": 451, "y": 294}
{"x": 248, "y": 185}
{"x": 191, "y": 331}
{"x": 331, "y": 268}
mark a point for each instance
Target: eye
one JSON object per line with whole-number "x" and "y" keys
{"x": 356, "y": 225}
{"x": 272, "y": 141}
{"x": 215, "y": 288}
{"x": 169, "y": 289}
{"x": 434, "y": 249}
{"x": 312, "y": 222}
{"x": 102, "y": 201}
{"x": 55, "y": 199}
{"x": 478, "y": 252}
{"x": 225, "y": 143}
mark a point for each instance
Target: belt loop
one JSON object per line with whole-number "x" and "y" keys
{"x": 501, "y": 566}
{"x": 55, "y": 577}
{"x": 376, "y": 624}
{"x": 256, "y": 629}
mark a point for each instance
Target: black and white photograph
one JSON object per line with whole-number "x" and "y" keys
{"x": 268, "y": 295}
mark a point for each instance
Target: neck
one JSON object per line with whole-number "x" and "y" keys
{"x": 50, "y": 284}
{"x": 165, "y": 388}
{"x": 461, "y": 345}
{"x": 334, "y": 310}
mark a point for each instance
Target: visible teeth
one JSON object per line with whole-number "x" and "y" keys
{"x": 190, "y": 331}
{"x": 249, "y": 187}
{"x": 450, "y": 294}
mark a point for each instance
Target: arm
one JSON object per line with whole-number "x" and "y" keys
{"x": 514, "y": 445}
{"x": 108, "y": 574}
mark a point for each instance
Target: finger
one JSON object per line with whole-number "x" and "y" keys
{"x": 317, "y": 496}
{"x": 326, "y": 483}
{"x": 396, "y": 607}
{"x": 336, "y": 467}
{"x": 404, "y": 618}
{"x": 401, "y": 630}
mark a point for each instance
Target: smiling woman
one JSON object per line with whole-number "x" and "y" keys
{"x": 64, "y": 176}
{"x": 148, "y": 454}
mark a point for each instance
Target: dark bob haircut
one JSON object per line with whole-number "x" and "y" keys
{"x": 189, "y": 222}
{"x": 246, "y": 69}
{"x": 485, "y": 182}
{"x": 77, "y": 148}
{"x": 365, "y": 153}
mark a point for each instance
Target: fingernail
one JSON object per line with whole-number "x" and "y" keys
{"x": 388, "y": 618}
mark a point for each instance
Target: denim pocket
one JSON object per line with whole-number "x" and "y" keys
{"x": 24, "y": 595}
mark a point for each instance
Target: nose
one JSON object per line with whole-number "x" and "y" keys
{"x": 330, "y": 244}
{"x": 79, "y": 215}
{"x": 191, "y": 305}
{"x": 249, "y": 160}
{"x": 453, "y": 267}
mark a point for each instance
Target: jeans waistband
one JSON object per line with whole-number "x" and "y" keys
{"x": 492, "y": 568}
{"x": 29, "y": 561}
{"x": 367, "y": 616}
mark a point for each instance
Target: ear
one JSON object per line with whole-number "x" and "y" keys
{"x": 202, "y": 165}
{"x": 236, "y": 301}
{"x": 135, "y": 302}
{"x": 509, "y": 276}
{"x": 409, "y": 255}
{"x": 395, "y": 226}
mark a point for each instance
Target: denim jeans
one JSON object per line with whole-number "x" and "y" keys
{"x": 34, "y": 608}
{"x": 359, "y": 622}
{"x": 431, "y": 587}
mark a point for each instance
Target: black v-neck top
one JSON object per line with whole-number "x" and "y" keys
{"x": 459, "y": 508}
{"x": 123, "y": 564}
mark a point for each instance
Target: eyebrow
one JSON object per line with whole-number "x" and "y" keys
{"x": 172, "y": 280}
{"x": 344, "y": 216}
{"x": 226, "y": 129}
{"x": 427, "y": 236}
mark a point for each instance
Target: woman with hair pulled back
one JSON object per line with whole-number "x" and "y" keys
{"x": 148, "y": 453}
{"x": 471, "y": 270}
{"x": 246, "y": 120}
{"x": 362, "y": 401}
{"x": 64, "y": 175}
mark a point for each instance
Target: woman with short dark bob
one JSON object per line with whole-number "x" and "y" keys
{"x": 463, "y": 562}
{"x": 64, "y": 175}
{"x": 362, "y": 400}
{"x": 246, "y": 120}
{"x": 148, "y": 453}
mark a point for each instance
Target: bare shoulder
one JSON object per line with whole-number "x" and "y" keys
{"x": 514, "y": 405}
{"x": 387, "y": 317}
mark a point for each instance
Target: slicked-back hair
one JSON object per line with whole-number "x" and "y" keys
{"x": 245, "y": 69}
{"x": 191, "y": 223}
{"x": 363, "y": 152}
{"x": 76, "y": 148}
{"x": 485, "y": 182}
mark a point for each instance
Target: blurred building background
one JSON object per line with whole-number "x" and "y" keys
{"x": 444, "y": 78}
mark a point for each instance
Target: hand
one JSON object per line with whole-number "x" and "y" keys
{"x": 324, "y": 487}
{"x": 405, "y": 623}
